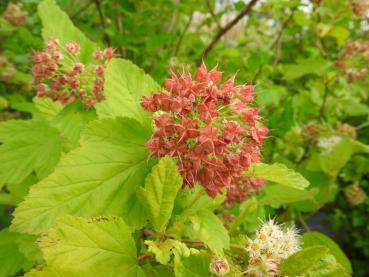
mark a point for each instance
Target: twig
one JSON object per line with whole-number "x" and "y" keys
{"x": 361, "y": 126}
{"x": 102, "y": 20}
{"x": 324, "y": 103}
{"x": 179, "y": 43}
{"x": 211, "y": 11}
{"x": 226, "y": 28}
{"x": 277, "y": 41}
{"x": 144, "y": 257}
{"x": 303, "y": 222}
{"x": 82, "y": 9}
{"x": 119, "y": 26}
{"x": 173, "y": 18}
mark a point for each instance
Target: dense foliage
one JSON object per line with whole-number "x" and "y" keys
{"x": 184, "y": 138}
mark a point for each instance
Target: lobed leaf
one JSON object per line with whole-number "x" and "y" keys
{"x": 207, "y": 227}
{"x": 316, "y": 238}
{"x": 161, "y": 188}
{"x": 125, "y": 84}
{"x": 98, "y": 246}
{"x": 12, "y": 260}
{"x": 99, "y": 177}
{"x": 278, "y": 173}
{"x": 28, "y": 145}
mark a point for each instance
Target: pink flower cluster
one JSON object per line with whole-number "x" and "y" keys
{"x": 59, "y": 74}
{"x": 211, "y": 128}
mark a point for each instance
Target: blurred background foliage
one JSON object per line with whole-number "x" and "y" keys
{"x": 307, "y": 59}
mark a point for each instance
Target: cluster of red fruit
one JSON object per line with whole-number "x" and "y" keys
{"x": 211, "y": 128}
{"x": 59, "y": 74}
{"x": 354, "y": 60}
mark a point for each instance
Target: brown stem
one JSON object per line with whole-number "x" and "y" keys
{"x": 82, "y": 9}
{"x": 102, "y": 20}
{"x": 144, "y": 257}
{"x": 173, "y": 18}
{"x": 245, "y": 11}
{"x": 303, "y": 222}
{"x": 179, "y": 43}
{"x": 277, "y": 41}
{"x": 119, "y": 26}
{"x": 324, "y": 103}
{"x": 193, "y": 242}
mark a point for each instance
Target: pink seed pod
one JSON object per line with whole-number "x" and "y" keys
{"x": 73, "y": 47}
{"x": 219, "y": 267}
{"x": 57, "y": 56}
{"x": 52, "y": 44}
{"x": 74, "y": 83}
{"x": 99, "y": 70}
{"x": 109, "y": 53}
{"x": 78, "y": 68}
{"x": 98, "y": 54}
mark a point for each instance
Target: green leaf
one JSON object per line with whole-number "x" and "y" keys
{"x": 193, "y": 266}
{"x": 278, "y": 173}
{"x": 332, "y": 161}
{"x": 189, "y": 201}
{"x": 315, "y": 65}
{"x": 56, "y": 23}
{"x": 161, "y": 188}
{"x": 28, "y": 145}
{"x": 276, "y": 195}
{"x": 248, "y": 211}
{"x": 46, "y": 108}
{"x": 340, "y": 34}
{"x": 157, "y": 270}
{"x": 70, "y": 122}
{"x": 98, "y": 246}
{"x": 28, "y": 247}
{"x": 125, "y": 84}
{"x": 316, "y": 238}
{"x": 12, "y": 260}
{"x": 303, "y": 261}
{"x": 207, "y": 227}
{"x": 17, "y": 192}
{"x": 99, "y": 177}
{"x": 328, "y": 267}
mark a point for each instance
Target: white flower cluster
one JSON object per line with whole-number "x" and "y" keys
{"x": 271, "y": 245}
{"x": 327, "y": 144}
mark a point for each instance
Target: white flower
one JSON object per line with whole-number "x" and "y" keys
{"x": 327, "y": 144}
{"x": 271, "y": 245}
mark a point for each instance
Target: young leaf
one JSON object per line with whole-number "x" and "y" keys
{"x": 207, "y": 227}
{"x": 164, "y": 250}
{"x": 278, "y": 173}
{"x": 56, "y": 23}
{"x": 125, "y": 84}
{"x": 99, "y": 177}
{"x": 12, "y": 260}
{"x": 28, "y": 145}
{"x": 161, "y": 188}
{"x": 316, "y": 238}
{"x": 98, "y": 246}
